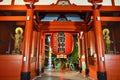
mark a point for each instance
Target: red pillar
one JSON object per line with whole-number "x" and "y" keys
{"x": 38, "y": 53}
{"x": 86, "y": 53}
{"x": 81, "y": 52}
{"x": 43, "y": 52}
{"x": 25, "y": 71}
{"x": 101, "y": 74}
{"x": 34, "y": 43}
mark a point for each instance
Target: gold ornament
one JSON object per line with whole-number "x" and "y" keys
{"x": 19, "y": 29}
{"x": 106, "y": 31}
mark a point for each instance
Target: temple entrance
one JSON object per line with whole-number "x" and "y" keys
{"x": 26, "y": 27}
{"x": 63, "y": 62}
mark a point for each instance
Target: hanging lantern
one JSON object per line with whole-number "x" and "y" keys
{"x": 61, "y": 43}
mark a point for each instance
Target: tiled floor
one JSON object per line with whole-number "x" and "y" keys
{"x": 62, "y": 75}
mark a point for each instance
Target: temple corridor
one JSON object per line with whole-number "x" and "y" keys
{"x": 62, "y": 75}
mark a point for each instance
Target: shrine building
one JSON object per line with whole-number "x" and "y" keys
{"x": 36, "y": 35}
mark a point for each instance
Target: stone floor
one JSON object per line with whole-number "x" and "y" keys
{"x": 62, "y": 75}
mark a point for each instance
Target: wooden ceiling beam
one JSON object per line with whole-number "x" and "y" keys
{"x": 61, "y": 26}
{"x": 13, "y": 18}
{"x": 62, "y": 30}
{"x": 110, "y": 8}
{"x": 89, "y": 26}
{"x": 13, "y": 7}
{"x": 56, "y": 8}
{"x": 110, "y": 18}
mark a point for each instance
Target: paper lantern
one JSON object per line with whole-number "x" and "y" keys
{"x": 62, "y": 43}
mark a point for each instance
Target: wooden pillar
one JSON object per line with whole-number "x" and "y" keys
{"x": 43, "y": 52}
{"x": 34, "y": 44}
{"x": 80, "y": 52}
{"x": 38, "y": 53}
{"x": 86, "y": 53}
{"x": 101, "y": 74}
{"x": 25, "y": 71}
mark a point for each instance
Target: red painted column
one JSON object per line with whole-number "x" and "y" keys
{"x": 34, "y": 43}
{"x": 80, "y": 51}
{"x": 43, "y": 52}
{"x": 101, "y": 74}
{"x": 38, "y": 53}
{"x": 25, "y": 71}
{"x": 86, "y": 53}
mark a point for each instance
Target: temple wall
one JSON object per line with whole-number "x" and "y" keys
{"x": 10, "y": 67}
{"x": 5, "y": 38}
{"x": 112, "y": 67}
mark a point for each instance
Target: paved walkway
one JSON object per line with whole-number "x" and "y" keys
{"x": 62, "y": 75}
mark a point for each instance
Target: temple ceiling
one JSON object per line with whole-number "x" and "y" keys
{"x": 61, "y": 10}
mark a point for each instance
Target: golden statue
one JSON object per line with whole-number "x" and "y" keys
{"x": 18, "y": 40}
{"x": 107, "y": 39}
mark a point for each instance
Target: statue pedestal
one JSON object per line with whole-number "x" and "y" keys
{"x": 16, "y": 52}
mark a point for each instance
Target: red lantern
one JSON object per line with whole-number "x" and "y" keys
{"x": 61, "y": 43}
